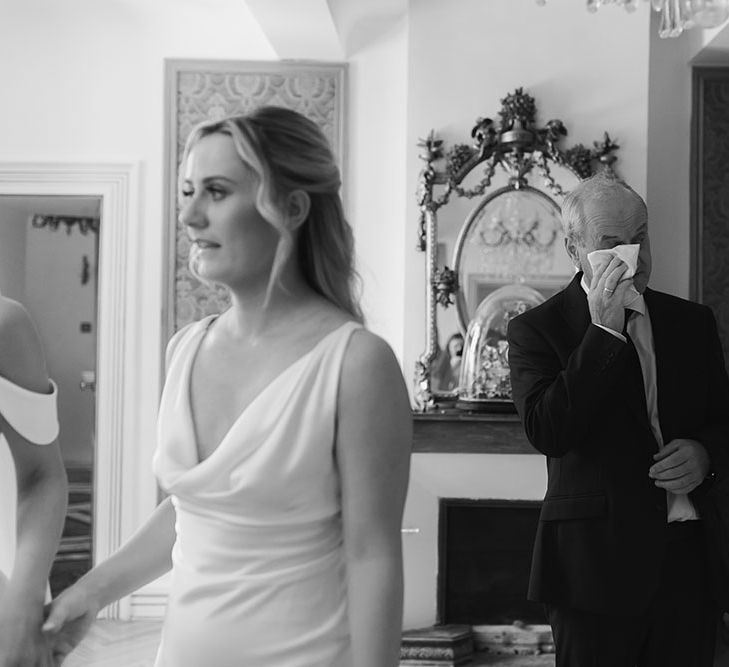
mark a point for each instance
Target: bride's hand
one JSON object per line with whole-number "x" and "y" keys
{"x": 68, "y": 619}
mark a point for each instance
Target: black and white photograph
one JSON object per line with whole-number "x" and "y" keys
{"x": 383, "y": 333}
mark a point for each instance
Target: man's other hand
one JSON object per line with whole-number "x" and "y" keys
{"x": 680, "y": 466}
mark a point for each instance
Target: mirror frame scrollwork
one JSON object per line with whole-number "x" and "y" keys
{"x": 515, "y": 145}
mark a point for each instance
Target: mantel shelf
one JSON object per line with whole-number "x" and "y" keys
{"x": 452, "y": 431}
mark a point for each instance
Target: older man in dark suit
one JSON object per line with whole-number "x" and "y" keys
{"x": 624, "y": 390}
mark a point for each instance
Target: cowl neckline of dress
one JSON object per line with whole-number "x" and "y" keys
{"x": 257, "y": 399}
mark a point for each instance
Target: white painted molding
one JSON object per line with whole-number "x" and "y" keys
{"x": 117, "y": 418}
{"x": 148, "y": 606}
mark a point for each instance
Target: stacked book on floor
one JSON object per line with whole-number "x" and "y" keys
{"x": 516, "y": 639}
{"x": 438, "y": 646}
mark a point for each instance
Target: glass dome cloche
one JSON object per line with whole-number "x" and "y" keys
{"x": 484, "y": 383}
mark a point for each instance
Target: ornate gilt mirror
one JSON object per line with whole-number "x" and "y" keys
{"x": 507, "y": 249}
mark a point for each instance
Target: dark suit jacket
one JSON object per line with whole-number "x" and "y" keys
{"x": 601, "y": 534}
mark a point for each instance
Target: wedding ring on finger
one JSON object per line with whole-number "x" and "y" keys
{"x": 608, "y": 290}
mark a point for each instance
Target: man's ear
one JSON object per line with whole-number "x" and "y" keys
{"x": 571, "y": 248}
{"x": 298, "y": 206}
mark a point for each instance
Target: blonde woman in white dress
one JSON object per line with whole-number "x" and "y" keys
{"x": 32, "y": 488}
{"x": 284, "y": 428}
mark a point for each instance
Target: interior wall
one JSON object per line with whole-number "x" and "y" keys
{"x": 12, "y": 253}
{"x": 375, "y": 194}
{"x": 59, "y": 303}
{"x": 669, "y": 152}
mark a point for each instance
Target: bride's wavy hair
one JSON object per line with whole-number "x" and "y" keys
{"x": 289, "y": 152}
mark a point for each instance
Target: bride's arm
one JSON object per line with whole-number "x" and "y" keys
{"x": 373, "y": 445}
{"x": 146, "y": 556}
{"x": 143, "y": 558}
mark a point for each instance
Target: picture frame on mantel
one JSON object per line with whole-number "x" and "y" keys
{"x": 198, "y": 90}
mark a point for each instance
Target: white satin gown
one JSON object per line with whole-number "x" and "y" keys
{"x": 35, "y": 417}
{"x": 258, "y": 576}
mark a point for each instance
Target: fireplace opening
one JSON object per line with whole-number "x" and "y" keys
{"x": 484, "y": 557}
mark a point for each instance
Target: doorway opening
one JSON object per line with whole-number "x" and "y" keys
{"x": 49, "y": 249}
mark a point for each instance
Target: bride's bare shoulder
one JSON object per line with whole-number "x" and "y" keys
{"x": 21, "y": 355}
{"x": 369, "y": 354}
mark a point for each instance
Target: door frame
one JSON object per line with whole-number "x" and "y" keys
{"x": 117, "y": 412}
{"x": 709, "y": 239}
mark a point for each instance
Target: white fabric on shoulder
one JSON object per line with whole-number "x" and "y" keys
{"x": 32, "y": 414}
{"x": 174, "y": 343}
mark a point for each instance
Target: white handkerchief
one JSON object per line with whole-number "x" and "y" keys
{"x": 628, "y": 253}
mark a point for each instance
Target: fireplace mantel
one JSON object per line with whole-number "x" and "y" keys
{"x": 464, "y": 455}
{"x": 458, "y": 432}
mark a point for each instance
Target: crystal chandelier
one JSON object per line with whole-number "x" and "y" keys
{"x": 676, "y": 15}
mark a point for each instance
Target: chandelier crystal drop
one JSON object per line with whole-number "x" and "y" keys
{"x": 676, "y": 15}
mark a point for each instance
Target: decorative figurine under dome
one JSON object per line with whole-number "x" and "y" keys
{"x": 484, "y": 383}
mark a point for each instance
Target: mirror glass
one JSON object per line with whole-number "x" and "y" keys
{"x": 511, "y": 236}
{"x": 446, "y": 367}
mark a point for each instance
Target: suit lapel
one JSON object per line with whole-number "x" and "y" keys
{"x": 574, "y": 307}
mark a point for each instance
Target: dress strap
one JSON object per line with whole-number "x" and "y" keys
{"x": 187, "y": 332}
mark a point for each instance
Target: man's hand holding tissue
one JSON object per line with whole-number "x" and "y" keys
{"x": 607, "y": 295}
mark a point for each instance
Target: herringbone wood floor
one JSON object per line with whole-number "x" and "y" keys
{"x": 134, "y": 644}
{"x": 117, "y": 644}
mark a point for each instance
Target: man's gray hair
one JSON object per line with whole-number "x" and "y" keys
{"x": 602, "y": 187}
